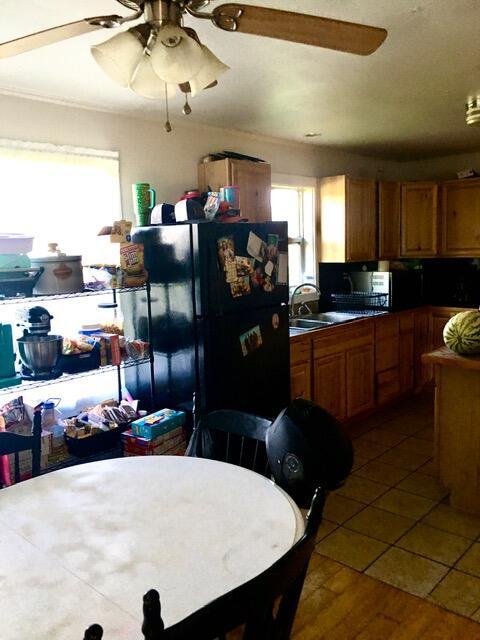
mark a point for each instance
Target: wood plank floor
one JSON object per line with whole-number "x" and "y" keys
{"x": 339, "y": 603}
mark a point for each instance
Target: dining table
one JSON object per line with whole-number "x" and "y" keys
{"x": 82, "y": 545}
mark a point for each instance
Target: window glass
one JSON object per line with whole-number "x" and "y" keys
{"x": 296, "y": 205}
{"x": 60, "y": 195}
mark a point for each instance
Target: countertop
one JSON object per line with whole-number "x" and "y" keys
{"x": 446, "y": 358}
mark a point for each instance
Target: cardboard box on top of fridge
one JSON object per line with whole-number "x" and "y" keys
{"x": 158, "y": 423}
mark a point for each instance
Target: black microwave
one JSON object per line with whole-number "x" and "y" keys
{"x": 403, "y": 289}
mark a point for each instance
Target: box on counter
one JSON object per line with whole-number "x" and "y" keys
{"x": 172, "y": 443}
{"x": 158, "y": 423}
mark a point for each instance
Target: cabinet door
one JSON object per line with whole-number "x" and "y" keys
{"x": 300, "y": 381}
{"x": 419, "y": 219}
{"x": 213, "y": 175}
{"x": 406, "y": 366}
{"x": 361, "y": 219}
{"x": 360, "y": 380}
{"x": 255, "y": 182}
{"x": 388, "y": 220}
{"x": 422, "y": 372}
{"x": 460, "y": 214}
{"x": 329, "y": 384}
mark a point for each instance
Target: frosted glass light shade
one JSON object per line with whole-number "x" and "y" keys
{"x": 118, "y": 57}
{"x": 176, "y": 64}
{"x": 212, "y": 68}
{"x": 146, "y": 83}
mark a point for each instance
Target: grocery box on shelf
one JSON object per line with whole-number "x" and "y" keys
{"x": 158, "y": 423}
{"x": 172, "y": 443}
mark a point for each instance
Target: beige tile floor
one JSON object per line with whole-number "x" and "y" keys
{"x": 391, "y": 519}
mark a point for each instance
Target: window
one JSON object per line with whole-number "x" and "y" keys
{"x": 293, "y": 200}
{"x": 60, "y": 194}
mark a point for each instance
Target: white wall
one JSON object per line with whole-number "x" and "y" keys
{"x": 442, "y": 168}
{"x": 168, "y": 161}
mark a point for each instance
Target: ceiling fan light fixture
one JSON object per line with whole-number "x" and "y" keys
{"x": 212, "y": 68}
{"x": 176, "y": 57}
{"x": 118, "y": 57}
{"x": 472, "y": 111}
{"x": 146, "y": 83}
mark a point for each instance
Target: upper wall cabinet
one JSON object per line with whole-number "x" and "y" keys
{"x": 254, "y": 180}
{"x": 348, "y": 219}
{"x": 460, "y": 218}
{"x": 388, "y": 220}
{"x": 419, "y": 219}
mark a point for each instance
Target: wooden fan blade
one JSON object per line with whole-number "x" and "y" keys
{"x": 43, "y": 38}
{"x": 350, "y": 37}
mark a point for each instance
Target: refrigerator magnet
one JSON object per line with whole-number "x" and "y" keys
{"x": 251, "y": 340}
{"x": 225, "y": 250}
{"x": 268, "y": 284}
{"x": 275, "y": 321}
{"x": 272, "y": 240}
{"x": 257, "y": 277}
{"x": 230, "y": 271}
{"x": 255, "y": 247}
{"x": 241, "y": 287}
{"x": 282, "y": 269}
{"x": 244, "y": 265}
{"x": 269, "y": 267}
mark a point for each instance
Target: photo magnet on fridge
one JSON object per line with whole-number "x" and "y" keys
{"x": 244, "y": 265}
{"x": 241, "y": 287}
{"x": 251, "y": 340}
{"x": 225, "y": 250}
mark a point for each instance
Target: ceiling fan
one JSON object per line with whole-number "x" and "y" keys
{"x": 155, "y": 56}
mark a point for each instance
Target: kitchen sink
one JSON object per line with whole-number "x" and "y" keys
{"x": 307, "y": 324}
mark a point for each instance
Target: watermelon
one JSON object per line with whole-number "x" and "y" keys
{"x": 461, "y": 334}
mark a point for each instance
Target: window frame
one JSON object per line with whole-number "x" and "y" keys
{"x": 301, "y": 185}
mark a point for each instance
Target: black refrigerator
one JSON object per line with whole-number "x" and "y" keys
{"x": 219, "y": 297}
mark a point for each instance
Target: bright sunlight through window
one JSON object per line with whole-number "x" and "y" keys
{"x": 60, "y": 194}
{"x": 295, "y": 204}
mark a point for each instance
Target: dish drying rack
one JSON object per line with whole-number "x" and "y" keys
{"x": 359, "y": 301}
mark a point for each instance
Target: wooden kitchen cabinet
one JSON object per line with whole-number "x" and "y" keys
{"x": 406, "y": 365}
{"x": 254, "y": 180}
{"x": 439, "y": 316}
{"x": 343, "y": 369}
{"x": 347, "y": 224}
{"x": 460, "y": 218}
{"x": 388, "y": 220}
{"x": 387, "y": 357}
{"x": 360, "y": 380}
{"x": 422, "y": 372}
{"x": 329, "y": 389}
{"x": 419, "y": 219}
{"x": 301, "y": 368}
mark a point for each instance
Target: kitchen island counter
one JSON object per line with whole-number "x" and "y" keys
{"x": 457, "y": 426}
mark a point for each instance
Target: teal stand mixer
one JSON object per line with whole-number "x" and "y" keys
{"x": 8, "y": 376}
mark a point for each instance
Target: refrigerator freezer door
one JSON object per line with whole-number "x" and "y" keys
{"x": 246, "y": 363}
{"x": 168, "y": 261}
{"x": 228, "y": 278}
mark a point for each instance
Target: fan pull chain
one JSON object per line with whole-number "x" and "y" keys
{"x": 167, "y": 126}
{"x": 187, "y": 109}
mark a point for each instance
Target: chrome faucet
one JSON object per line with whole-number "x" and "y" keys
{"x": 304, "y": 305}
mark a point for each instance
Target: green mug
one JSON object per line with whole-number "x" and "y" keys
{"x": 143, "y": 202}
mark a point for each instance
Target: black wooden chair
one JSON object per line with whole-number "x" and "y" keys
{"x": 13, "y": 443}
{"x": 232, "y": 436}
{"x": 266, "y": 605}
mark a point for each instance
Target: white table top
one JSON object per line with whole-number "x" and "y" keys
{"x": 83, "y": 544}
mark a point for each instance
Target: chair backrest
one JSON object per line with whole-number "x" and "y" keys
{"x": 251, "y": 604}
{"x": 232, "y": 436}
{"x": 13, "y": 443}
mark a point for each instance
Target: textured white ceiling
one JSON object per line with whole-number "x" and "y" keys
{"x": 404, "y": 101}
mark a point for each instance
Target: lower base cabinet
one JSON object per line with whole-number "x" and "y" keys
{"x": 360, "y": 380}
{"x": 329, "y": 379}
{"x": 300, "y": 381}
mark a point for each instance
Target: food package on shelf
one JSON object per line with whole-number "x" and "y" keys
{"x": 172, "y": 443}
{"x": 131, "y": 258}
{"x": 110, "y": 352}
{"x": 103, "y": 417}
{"x": 158, "y": 423}
{"x": 135, "y": 349}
